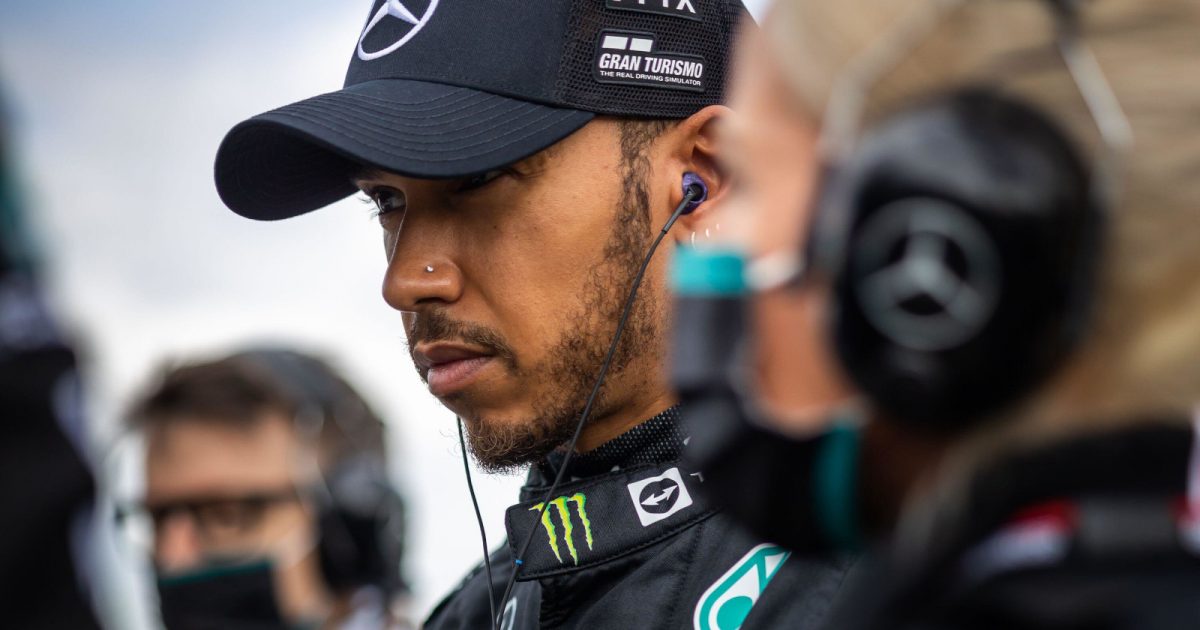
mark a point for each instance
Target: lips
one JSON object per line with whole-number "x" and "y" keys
{"x": 449, "y": 368}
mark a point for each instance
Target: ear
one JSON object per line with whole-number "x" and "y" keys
{"x": 695, "y": 148}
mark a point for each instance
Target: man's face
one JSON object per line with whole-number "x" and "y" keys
{"x": 224, "y": 492}
{"x": 512, "y": 284}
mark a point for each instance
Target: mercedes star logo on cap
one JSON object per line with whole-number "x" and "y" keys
{"x": 400, "y": 10}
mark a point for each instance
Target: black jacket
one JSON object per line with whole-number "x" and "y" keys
{"x": 1099, "y": 532}
{"x": 46, "y": 487}
{"x": 631, "y": 544}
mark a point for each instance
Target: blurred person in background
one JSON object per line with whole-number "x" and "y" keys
{"x": 522, "y": 158}
{"x": 46, "y": 483}
{"x": 267, "y": 502}
{"x": 963, "y": 315}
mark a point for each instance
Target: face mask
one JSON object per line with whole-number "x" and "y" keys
{"x": 799, "y": 491}
{"x": 226, "y": 597}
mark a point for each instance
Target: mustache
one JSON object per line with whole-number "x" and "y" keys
{"x": 435, "y": 325}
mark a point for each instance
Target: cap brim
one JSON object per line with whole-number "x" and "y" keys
{"x": 298, "y": 158}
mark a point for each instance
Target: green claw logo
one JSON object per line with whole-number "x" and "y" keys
{"x": 563, "y": 507}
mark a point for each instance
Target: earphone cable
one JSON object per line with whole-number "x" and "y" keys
{"x": 691, "y": 193}
{"x": 487, "y": 560}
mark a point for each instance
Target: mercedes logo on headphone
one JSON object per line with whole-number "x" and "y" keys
{"x": 408, "y": 26}
{"x": 928, "y": 275}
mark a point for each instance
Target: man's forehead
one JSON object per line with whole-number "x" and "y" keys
{"x": 197, "y": 456}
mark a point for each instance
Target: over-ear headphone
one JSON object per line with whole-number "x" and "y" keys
{"x": 960, "y": 238}
{"x": 360, "y": 515}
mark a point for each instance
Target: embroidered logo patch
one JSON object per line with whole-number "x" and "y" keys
{"x": 678, "y": 8}
{"x": 630, "y": 58}
{"x": 657, "y": 498}
{"x": 393, "y": 24}
{"x": 562, "y": 507}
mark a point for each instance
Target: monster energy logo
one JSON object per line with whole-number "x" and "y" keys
{"x": 562, "y": 506}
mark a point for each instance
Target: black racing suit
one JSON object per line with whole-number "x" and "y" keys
{"x": 629, "y": 543}
{"x": 1099, "y": 532}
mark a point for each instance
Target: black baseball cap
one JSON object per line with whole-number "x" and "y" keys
{"x": 450, "y": 88}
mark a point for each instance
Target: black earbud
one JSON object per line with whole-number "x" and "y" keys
{"x": 695, "y": 189}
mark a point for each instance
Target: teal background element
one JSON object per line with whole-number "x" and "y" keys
{"x": 16, "y": 243}
{"x": 708, "y": 273}
{"x": 836, "y": 483}
{"x": 215, "y": 572}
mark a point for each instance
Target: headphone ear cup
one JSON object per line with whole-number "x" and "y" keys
{"x": 360, "y": 516}
{"x": 957, "y": 241}
{"x": 361, "y": 524}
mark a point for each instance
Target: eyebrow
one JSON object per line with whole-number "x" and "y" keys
{"x": 364, "y": 172}
{"x": 537, "y": 161}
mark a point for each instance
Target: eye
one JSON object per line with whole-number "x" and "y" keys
{"x": 387, "y": 202}
{"x": 475, "y": 182}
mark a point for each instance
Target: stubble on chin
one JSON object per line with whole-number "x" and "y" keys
{"x": 504, "y": 446}
{"x": 570, "y": 373}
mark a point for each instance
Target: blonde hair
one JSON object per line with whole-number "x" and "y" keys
{"x": 1141, "y": 354}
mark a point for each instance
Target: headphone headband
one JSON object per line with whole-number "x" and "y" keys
{"x": 848, "y": 96}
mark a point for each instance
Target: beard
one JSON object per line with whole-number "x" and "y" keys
{"x": 577, "y": 356}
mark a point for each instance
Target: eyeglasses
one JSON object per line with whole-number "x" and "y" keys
{"x": 222, "y": 523}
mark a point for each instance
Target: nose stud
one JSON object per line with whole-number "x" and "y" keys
{"x": 428, "y": 268}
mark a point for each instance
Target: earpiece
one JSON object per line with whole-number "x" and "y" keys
{"x": 694, "y": 186}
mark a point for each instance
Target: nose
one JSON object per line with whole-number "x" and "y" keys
{"x": 176, "y": 544}
{"x": 423, "y": 267}
{"x": 416, "y": 282}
